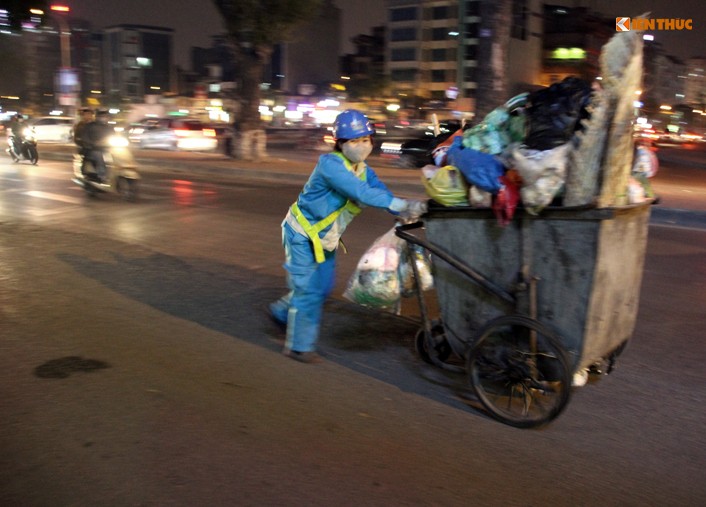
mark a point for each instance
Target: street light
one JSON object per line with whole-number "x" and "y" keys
{"x": 65, "y": 34}
{"x": 67, "y": 84}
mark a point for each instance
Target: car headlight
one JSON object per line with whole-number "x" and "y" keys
{"x": 118, "y": 142}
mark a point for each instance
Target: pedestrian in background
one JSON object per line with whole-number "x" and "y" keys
{"x": 340, "y": 184}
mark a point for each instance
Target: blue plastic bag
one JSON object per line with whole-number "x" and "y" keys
{"x": 480, "y": 169}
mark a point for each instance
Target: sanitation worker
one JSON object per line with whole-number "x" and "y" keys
{"x": 340, "y": 184}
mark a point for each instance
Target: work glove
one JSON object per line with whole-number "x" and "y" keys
{"x": 415, "y": 209}
{"x": 398, "y": 205}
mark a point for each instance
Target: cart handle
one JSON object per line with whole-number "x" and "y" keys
{"x": 473, "y": 275}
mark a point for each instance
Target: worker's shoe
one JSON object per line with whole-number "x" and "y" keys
{"x": 281, "y": 325}
{"x": 303, "y": 357}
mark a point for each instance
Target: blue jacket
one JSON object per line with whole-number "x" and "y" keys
{"x": 329, "y": 187}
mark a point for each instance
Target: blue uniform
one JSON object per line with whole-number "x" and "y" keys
{"x": 333, "y": 183}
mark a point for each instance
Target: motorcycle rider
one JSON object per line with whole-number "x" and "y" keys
{"x": 80, "y": 133}
{"x": 94, "y": 138}
{"x": 16, "y": 128}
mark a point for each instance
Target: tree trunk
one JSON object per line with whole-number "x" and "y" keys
{"x": 251, "y": 139}
{"x": 494, "y": 39}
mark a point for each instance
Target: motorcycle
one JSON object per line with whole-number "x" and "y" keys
{"x": 27, "y": 146}
{"x": 121, "y": 176}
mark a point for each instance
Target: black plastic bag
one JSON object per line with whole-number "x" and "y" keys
{"x": 554, "y": 113}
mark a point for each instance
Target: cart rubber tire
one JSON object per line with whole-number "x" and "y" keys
{"x": 519, "y": 371}
{"x": 442, "y": 349}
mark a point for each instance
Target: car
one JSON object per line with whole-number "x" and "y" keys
{"x": 413, "y": 148}
{"x": 179, "y": 133}
{"x": 224, "y": 136}
{"x": 57, "y": 129}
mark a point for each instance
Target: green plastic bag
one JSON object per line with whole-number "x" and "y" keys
{"x": 446, "y": 185}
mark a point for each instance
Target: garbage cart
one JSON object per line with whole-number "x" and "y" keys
{"x": 523, "y": 307}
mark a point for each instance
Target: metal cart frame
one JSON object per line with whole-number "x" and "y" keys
{"x": 536, "y": 300}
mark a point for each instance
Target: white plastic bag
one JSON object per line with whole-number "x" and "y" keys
{"x": 384, "y": 274}
{"x": 375, "y": 283}
{"x": 543, "y": 174}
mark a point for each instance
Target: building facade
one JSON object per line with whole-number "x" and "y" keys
{"x": 433, "y": 48}
{"x": 364, "y": 70}
{"x": 571, "y": 44}
{"x": 695, "y": 86}
{"x": 138, "y": 61}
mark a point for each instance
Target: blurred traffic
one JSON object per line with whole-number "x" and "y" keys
{"x": 57, "y": 129}
{"x": 186, "y": 134}
{"x": 399, "y": 142}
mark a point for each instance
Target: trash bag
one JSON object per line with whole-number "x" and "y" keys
{"x": 506, "y": 201}
{"x": 446, "y": 185}
{"x": 553, "y": 114}
{"x": 417, "y": 254}
{"x": 480, "y": 169}
{"x": 501, "y": 127}
{"x": 543, "y": 175}
{"x": 384, "y": 274}
{"x": 478, "y": 198}
{"x": 375, "y": 283}
{"x": 441, "y": 148}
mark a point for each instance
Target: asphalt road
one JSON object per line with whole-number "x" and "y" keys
{"x": 138, "y": 368}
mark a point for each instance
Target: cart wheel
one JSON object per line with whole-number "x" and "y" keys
{"x": 519, "y": 371}
{"x": 442, "y": 348}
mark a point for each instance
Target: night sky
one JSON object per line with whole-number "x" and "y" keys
{"x": 195, "y": 21}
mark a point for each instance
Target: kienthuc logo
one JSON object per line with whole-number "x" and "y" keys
{"x": 627, "y": 24}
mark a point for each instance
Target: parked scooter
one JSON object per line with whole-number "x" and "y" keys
{"x": 27, "y": 147}
{"x": 121, "y": 176}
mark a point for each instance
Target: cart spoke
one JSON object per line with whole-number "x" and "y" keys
{"x": 519, "y": 372}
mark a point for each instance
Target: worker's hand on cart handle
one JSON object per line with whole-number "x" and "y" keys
{"x": 398, "y": 205}
{"x": 415, "y": 209}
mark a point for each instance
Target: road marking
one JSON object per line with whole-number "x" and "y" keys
{"x": 54, "y": 197}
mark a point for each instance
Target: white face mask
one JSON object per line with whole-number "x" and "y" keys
{"x": 357, "y": 151}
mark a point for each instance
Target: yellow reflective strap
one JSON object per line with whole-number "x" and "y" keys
{"x": 312, "y": 231}
{"x": 352, "y": 207}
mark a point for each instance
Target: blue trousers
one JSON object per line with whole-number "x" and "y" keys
{"x": 310, "y": 283}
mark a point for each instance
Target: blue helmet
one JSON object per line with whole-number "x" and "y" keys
{"x": 351, "y": 124}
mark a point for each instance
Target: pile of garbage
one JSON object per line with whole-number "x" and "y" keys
{"x": 569, "y": 144}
